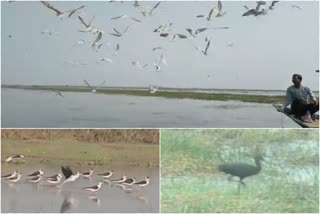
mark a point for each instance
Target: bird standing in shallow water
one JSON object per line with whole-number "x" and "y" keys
{"x": 242, "y": 170}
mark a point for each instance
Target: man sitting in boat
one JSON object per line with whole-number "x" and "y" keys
{"x": 303, "y": 103}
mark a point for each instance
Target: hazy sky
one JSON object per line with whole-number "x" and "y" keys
{"x": 267, "y": 49}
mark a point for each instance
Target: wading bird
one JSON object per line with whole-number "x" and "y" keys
{"x": 241, "y": 170}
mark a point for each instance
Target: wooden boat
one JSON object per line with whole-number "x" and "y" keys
{"x": 303, "y": 124}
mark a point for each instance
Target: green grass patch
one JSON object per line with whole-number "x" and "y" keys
{"x": 83, "y": 152}
{"x": 191, "y": 182}
{"x": 166, "y": 94}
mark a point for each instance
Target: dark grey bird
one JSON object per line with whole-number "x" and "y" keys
{"x": 273, "y": 3}
{"x": 317, "y": 71}
{"x": 241, "y": 170}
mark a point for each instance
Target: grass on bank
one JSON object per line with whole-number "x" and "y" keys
{"x": 198, "y": 195}
{"x": 83, "y": 152}
{"x": 166, "y": 94}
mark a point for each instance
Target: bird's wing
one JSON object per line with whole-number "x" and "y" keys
{"x": 189, "y": 31}
{"x": 126, "y": 29}
{"x": 97, "y": 39}
{"x": 200, "y": 30}
{"x": 219, "y": 5}
{"x": 83, "y": 22}
{"x": 48, "y": 5}
{"x": 246, "y": 7}
{"x": 200, "y": 16}
{"x": 117, "y": 47}
{"x": 181, "y": 36}
{"x": 67, "y": 172}
{"x": 250, "y": 12}
{"x": 164, "y": 34}
{"x": 114, "y": 34}
{"x": 117, "y": 32}
{"x": 207, "y": 47}
{"x": 117, "y": 17}
{"x": 134, "y": 19}
{"x": 75, "y": 10}
{"x": 154, "y": 7}
{"x": 210, "y": 14}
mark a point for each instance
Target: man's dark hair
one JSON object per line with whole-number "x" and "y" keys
{"x": 298, "y": 76}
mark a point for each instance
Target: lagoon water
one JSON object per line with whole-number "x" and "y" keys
{"x": 45, "y": 109}
{"x": 26, "y": 197}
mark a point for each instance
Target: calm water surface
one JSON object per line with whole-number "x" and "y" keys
{"x": 28, "y": 197}
{"x": 44, "y": 109}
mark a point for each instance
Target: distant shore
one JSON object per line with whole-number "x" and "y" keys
{"x": 162, "y": 92}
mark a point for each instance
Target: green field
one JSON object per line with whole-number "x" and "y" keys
{"x": 288, "y": 181}
{"x": 161, "y": 93}
{"x": 82, "y": 152}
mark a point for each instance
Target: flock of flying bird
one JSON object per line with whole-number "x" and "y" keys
{"x": 164, "y": 30}
{"x": 56, "y": 180}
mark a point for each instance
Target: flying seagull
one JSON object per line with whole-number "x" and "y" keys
{"x": 95, "y": 43}
{"x": 59, "y": 12}
{"x": 154, "y": 7}
{"x": 219, "y": 10}
{"x": 126, "y": 16}
{"x": 208, "y": 17}
{"x": 137, "y": 63}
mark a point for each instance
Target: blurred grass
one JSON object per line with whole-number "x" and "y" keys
{"x": 81, "y": 151}
{"x": 191, "y": 182}
{"x": 198, "y": 195}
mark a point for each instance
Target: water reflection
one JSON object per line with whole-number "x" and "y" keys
{"x": 68, "y": 202}
{"x": 73, "y": 198}
{"x": 145, "y": 112}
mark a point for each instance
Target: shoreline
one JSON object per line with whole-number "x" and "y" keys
{"x": 165, "y": 93}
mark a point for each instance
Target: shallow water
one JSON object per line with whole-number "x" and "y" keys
{"x": 44, "y": 109}
{"x": 28, "y": 197}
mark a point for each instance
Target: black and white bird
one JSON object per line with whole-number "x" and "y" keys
{"x": 37, "y": 173}
{"x": 129, "y": 181}
{"x": 94, "y": 188}
{"x": 15, "y": 178}
{"x": 35, "y": 179}
{"x": 55, "y": 179}
{"x": 14, "y": 158}
{"x": 120, "y": 180}
{"x": 106, "y": 174}
{"x": 68, "y": 174}
{"x": 143, "y": 183}
{"x": 87, "y": 174}
{"x": 8, "y": 176}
